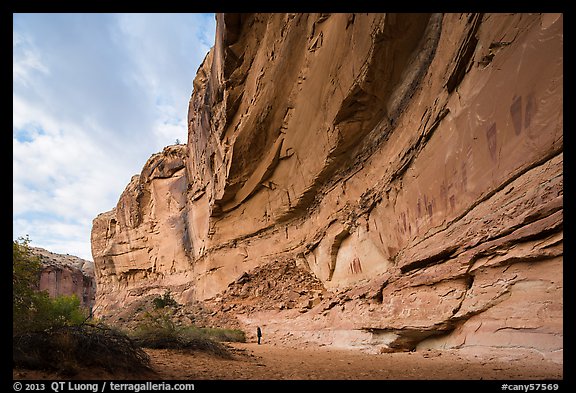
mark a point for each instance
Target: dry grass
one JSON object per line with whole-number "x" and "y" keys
{"x": 179, "y": 338}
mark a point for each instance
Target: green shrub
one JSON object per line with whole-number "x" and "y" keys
{"x": 177, "y": 338}
{"x": 164, "y": 301}
{"x": 66, "y": 310}
{"x": 160, "y": 331}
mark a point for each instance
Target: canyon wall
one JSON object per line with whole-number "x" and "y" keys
{"x": 65, "y": 275}
{"x": 411, "y": 165}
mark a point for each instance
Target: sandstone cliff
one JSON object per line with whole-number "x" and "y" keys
{"x": 410, "y": 164}
{"x": 66, "y": 275}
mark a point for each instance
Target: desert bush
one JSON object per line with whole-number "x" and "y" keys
{"x": 160, "y": 331}
{"x": 159, "y": 338}
{"x": 165, "y": 300}
{"x": 67, "y": 349}
{"x": 218, "y": 334}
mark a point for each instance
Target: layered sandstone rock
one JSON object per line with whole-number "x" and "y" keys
{"x": 66, "y": 275}
{"x": 145, "y": 238}
{"x": 412, "y": 163}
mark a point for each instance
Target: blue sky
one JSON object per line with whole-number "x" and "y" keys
{"x": 94, "y": 96}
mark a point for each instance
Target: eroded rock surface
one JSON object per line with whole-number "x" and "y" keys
{"x": 66, "y": 275}
{"x": 411, "y": 164}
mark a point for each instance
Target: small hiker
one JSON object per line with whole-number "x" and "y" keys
{"x": 259, "y": 334}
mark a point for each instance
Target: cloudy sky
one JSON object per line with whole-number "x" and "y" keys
{"x": 94, "y": 96}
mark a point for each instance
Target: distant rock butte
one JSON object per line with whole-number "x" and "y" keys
{"x": 411, "y": 165}
{"x": 64, "y": 274}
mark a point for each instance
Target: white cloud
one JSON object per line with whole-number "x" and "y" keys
{"x": 94, "y": 95}
{"x": 171, "y": 131}
{"x": 26, "y": 59}
{"x": 163, "y": 64}
{"x": 55, "y": 235}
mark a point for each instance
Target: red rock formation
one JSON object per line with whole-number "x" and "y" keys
{"x": 66, "y": 275}
{"x": 410, "y": 162}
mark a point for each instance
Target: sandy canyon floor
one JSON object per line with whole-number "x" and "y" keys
{"x": 272, "y": 362}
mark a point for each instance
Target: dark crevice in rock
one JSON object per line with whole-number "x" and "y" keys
{"x": 440, "y": 257}
{"x": 338, "y": 239}
{"x": 508, "y": 240}
{"x": 408, "y": 338}
{"x": 465, "y": 53}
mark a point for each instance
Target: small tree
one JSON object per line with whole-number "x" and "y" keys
{"x": 165, "y": 300}
{"x": 26, "y": 270}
